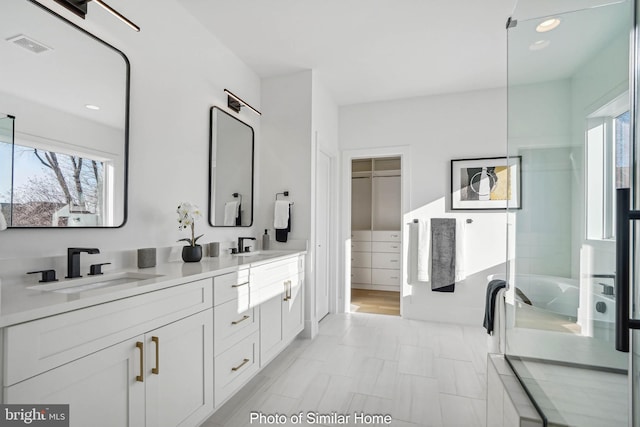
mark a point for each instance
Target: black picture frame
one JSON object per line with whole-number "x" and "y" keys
{"x": 486, "y": 183}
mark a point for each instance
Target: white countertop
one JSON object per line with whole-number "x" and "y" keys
{"x": 20, "y": 304}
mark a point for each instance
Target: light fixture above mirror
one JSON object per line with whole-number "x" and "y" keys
{"x": 79, "y": 7}
{"x": 236, "y": 104}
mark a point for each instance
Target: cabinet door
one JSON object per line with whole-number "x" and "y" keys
{"x": 293, "y": 310}
{"x": 270, "y": 328}
{"x": 101, "y": 389}
{"x": 179, "y": 371}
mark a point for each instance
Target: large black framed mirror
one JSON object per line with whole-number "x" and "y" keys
{"x": 67, "y": 92}
{"x": 231, "y": 156}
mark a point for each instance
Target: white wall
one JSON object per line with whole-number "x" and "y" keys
{"x": 324, "y": 117}
{"x": 300, "y": 118}
{"x": 178, "y": 71}
{"x": 435, "y": 130}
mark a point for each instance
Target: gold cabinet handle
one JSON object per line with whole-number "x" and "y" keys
{"x": 140, "y": 378}
{"x": 245, "y": 317}
{"x": 239, "y": 284}
{"x": 156, "y": 370}
{"x": 244, "y": 362}
{"x": 286, "y": 290}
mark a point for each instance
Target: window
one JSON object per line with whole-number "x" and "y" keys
{"x": 607, "y": 166}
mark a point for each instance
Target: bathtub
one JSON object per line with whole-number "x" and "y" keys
{"x": 561, "y": 295}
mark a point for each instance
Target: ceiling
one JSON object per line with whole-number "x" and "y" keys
{"x": 367, "y": 50}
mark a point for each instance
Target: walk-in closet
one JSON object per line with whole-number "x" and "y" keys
{"x": 375, "y": 235}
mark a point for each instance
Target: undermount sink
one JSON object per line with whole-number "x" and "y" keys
{"x": 247, "y": 253}
{"x": 73, "y": 286}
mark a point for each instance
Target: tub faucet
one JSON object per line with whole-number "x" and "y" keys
{"x": 73, "y": 260}
{"x": 606, "y": 289}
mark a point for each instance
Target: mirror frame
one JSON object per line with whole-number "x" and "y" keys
{"x": 211, "y": 177}
{"x": 125, "y": 192}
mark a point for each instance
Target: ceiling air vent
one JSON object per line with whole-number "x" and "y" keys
{"x": 29, "y": 44}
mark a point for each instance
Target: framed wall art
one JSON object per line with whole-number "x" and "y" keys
{"x": 486, "y": 183}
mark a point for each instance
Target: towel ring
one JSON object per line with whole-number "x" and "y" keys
{"x": 284, "y": 194}
{"x": 238, "y": 195}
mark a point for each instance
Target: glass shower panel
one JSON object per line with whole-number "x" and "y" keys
{"x": 6, "y": 165}
{"x": 568, "y": 119}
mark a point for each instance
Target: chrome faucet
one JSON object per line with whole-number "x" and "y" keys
{"x": 241, "y": 243}
{"x": 73, "y": 260}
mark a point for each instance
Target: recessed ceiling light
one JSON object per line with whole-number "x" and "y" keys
{"x": 539, "y": 45}
{"x": 92, "y": 107}
{"x": 548, "y": 25}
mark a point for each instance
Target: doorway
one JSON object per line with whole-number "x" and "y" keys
{"x": 376, "y": 237}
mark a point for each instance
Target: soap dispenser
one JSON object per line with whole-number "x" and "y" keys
{"x": 265, "y": 240}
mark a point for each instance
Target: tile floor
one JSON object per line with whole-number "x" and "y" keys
{"x": 421, "y": 373}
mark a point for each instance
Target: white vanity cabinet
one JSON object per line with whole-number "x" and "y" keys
{"x": 144, "y": 360}
{"x": 279, "y": 288}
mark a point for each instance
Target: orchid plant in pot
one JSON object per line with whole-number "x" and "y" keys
{"x": 188, "y": 213}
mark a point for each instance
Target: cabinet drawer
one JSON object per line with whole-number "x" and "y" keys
{"x": 385, "y": 260}
{"x": 40, "y": 345}
{"x": 380, "y": 276}
{"x": 391, "y": 247}
{"x": 361, "y": 275}
{"x": 275, "y": 272}
{"x": 361, "y": 259}
{"x": 232, "y": 322}
{"x": 360, "y": 246}
{"x": 273, "y": 279}
{"x": 234, "y": 367}
{"x": 231, "y": 286}
{"x": 385, "y": 236}
{"x": 361, "y": 235}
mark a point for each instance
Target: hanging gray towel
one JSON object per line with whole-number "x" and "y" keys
{"x": 443, "y": 254}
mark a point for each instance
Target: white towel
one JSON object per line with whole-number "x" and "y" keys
{"x": 281, "y": 215}
{"x": 424, "y": 244}
{"x": 231, "y": 212}
{"x": 461, "y": 231}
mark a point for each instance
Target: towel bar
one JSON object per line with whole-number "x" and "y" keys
{"x": 284, "y": 194}
{"x": 415, "y": 221}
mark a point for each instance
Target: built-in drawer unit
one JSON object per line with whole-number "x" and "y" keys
{"x": 360, "y": 246}
{"x": 361, "y": 259}
{"x": 231, "y": 286}
{"x": 232, "y": 322}
{"x": 360, "y": 275}
{"x": 361, "y": 235}
{"x": 382, "y": 276}
{"x": 385, "y": 236}
{"x": 37, "y": 346}
{"x": 234, "y": 367}
{"x": 391, "y": 247}
{"x": 385, "y": 260}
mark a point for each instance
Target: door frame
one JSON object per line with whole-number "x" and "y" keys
{"x": 404, "y": 152}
